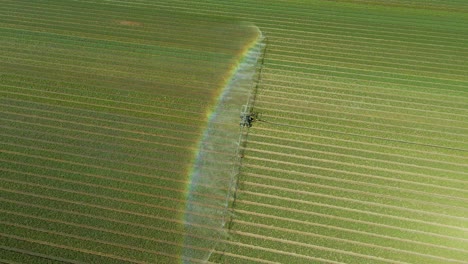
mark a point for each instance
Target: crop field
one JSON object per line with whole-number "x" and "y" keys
{"x": 360, "y": 153}
{"x": 102, "y": 110}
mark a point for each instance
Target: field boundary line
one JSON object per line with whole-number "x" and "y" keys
{"x": 154, "y": 217}
{"x": 359, "y": 211}
{"x": 280, "y": 252}
{"x": 303, "y": 64}
{"x": 62, "y": 234}
{"x": 266, "y": 18}
{"x": 259, "y": 142}
{"x": 98, "y": 105}
{"x": 100, "y": 134}
{"x": 89, "y": 124}
{"x": 367, "y": 97}
{"x": 36, "y": 254}
{"x": 346, "y": 26}
{"x": 165, "y": 170}
{"x": 146, "y": 175}
{"x": 300, "y": 116}
{"x": 386, "y": 78}
{"x": 351, "y": 220}
{"x": 147, "y": 120}
{"x": 346, "y": 140}
{"x": 299, "y": 11}
{"x": 415, "y": 56}
{"x": 100, "y": 59}
{"x": 377, "y": 108}
{"x": 94, "y": 71}
{"x": 304, "y": 80}
{"x": 88, "y": 194}
{"x": 311, "y": 246}
{"x": 270, "y": 178}
{"x": 281, "y": 75}
{"x": 257, "y": 260}
{"x": 88, "y": 216}
{"x": 278, "y": 55}
{"x": 344, "y": 199}
{"x": 67, "y": 247}
{"x": 355, "y": 182}
{"x": 102, "y": 93}
{"x": 89, "y": 148}
{"x": 139, "y": 193}
{"x": 87, "y": 157}
{"x": 86, "y": 117}
{"x": 166, "y": 162}
{"x": 402, "y": 64}
{"x": 95, "y": 76}
{"x": 96, "y": 195}
{"x": 30, "y": 25}
{"x": 101, "y": 241}
{"x": 406, "y": 85}
{"x": 94, "y": 149}
{"x": 360, "y": 115}
{"x": 91, "y": 141}
{"x": 395, "y": 68}
{"x": 290, "y": 242}
{"x": 460, "y": 84}
{"x": 288, "y": 37}
{"x": 103, "y": 67}
{"x": 354, "y": 165}
{"x": 302, "y": 157}
{"x": 341, "y": 240}
{"x": 204, "y": 12}
{"x": 326, "y": 56}
{"x": 86, "y": 37}
{"x": 340, "y": 229}
{"x": 380, "y": 138}
{"x": 365, "y": 167}
{"x": 95, "y": 185}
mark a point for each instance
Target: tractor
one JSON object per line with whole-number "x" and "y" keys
{"x": 247, "y": 117}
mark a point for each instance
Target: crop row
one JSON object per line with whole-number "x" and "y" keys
{"x": 297, "y": 15}
{"x": 350, "y": 230}
{"x": 328, "y": 108}
{"x": 317, "y": 158}
{"x": 354, "y": 141}
{"x": 166, "y": 86}
{"x": 358, "y": 206}
{"x": 325, "y": 88}
{"x": 160, "y": 183}
{"x": 362, "y": 155}
{"x": 357, "y": 192}
{"x": 361, "y": 150}
{"x": 150, "y": 37}
{"x": 342, "y": 227}
{"x": 100, "y": 122}
{"x": 369, "y": 174}
{"x": 362, "y": 223}
{"x": 322, "y": 26}
{"x": 82, "y": 216}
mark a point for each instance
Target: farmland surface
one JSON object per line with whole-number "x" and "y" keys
{"x": 102, "y": 107}
{"x": 361, "y": 154}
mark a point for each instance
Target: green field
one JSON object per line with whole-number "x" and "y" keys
{"x": 102, "y": 110}
{"x": 360, "y": 154}
{"x": 363, "y": 155}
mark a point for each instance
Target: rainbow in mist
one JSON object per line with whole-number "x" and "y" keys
{"x": 215, "y": 161}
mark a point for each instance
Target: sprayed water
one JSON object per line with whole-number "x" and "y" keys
{"x": 214, "y": 172}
